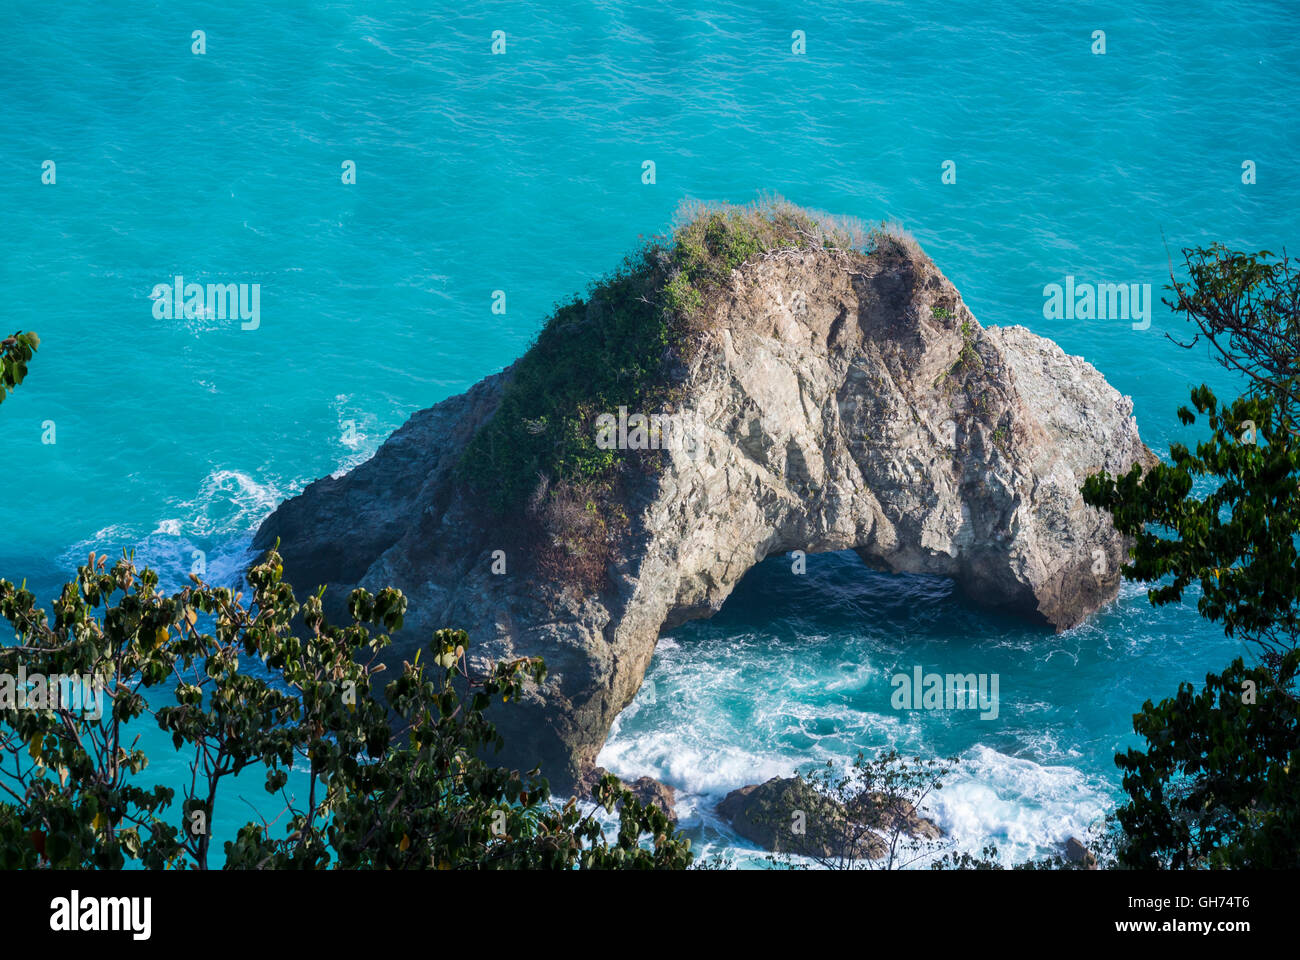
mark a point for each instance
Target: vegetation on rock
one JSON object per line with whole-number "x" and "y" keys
{"x": 628, "y": 344}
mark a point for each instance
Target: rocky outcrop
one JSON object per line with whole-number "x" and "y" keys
{"x": 835, "y": 403}
{"x": 1079, "y": 855}
{"x": 646, "y": 789}
{"x": 787, "y": 815}
{"x": 893, "y": 815}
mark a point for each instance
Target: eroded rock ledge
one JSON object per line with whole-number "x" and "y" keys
{"x": 836, "y": 403}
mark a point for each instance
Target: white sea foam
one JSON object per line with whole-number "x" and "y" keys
{"x": 692, "y": 769}
{"x": 229, "y": 502}
{"x": 1026, "y": 808}
{"x": 360, "y": 433}
{"x": 210, "y": 533}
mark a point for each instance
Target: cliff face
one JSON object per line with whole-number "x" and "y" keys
{"x": 837, "y": 403}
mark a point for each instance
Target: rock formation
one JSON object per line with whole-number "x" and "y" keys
{"x": 766, "y": 814}
{"x": 1076, "y": 853}
{"x": 836, "y": 402}
{"x": 646, "y": 789}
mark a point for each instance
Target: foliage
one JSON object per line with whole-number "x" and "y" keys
{"x": 1216, "y": 784}
{"x": 15, "y": 353}
{"x": 591, "y": 357}
{"x": 1219, "y": 782}
{"x": 1236, "y": 540}
{"x": 1227, "y": 516}
{"x": 712, "y": 240}
{"x": 961, "y": 860}
{"x": 1247, "y": 306}
{"x": 398, "y": 786}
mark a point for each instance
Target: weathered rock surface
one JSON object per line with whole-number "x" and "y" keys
{"x": 1076, "y": 852}
{"x": 835, "y": 405}
{"x": 767, "y": 814}
{"x": 786, "y": 815}
{"x": 645, "y": 789}
{"x": 889, "y": 814}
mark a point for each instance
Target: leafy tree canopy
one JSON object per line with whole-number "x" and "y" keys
{"x": 15, "y": 353}
{"x": 396, "y": 784}
{"x": 1216, "y": 783}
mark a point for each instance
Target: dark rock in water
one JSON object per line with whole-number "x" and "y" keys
{"x": 871, "y": 412}
{"x": 889, "y": 815}
{"x": 786, "y": 815}
{"x": 646, "y": 789}
{"x": 770, "y": 815}
{"x": 1076, "y": 852}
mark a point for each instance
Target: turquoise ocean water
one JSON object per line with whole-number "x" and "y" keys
{"x": 522, "y": 172}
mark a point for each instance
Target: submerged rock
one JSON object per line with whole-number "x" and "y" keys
{"x": 831, "y": 402}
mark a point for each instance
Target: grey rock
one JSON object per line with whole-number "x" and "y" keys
{"x": 893, "y": 814}
{"x": 880, "y": 417}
